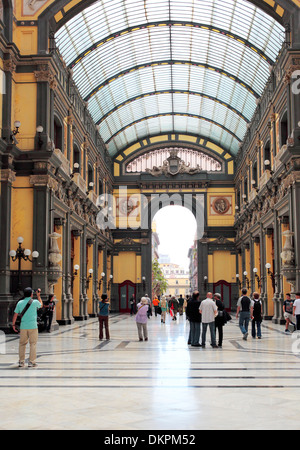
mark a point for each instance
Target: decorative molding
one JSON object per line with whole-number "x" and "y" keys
{"x": 7, "y": 175}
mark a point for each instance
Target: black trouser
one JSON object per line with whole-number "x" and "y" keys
{"x": 48, "y": 323}
{"x": 219, "y": 327}
{"x": 298, "y": 321}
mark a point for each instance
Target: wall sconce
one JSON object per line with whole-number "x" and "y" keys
{"x": 39, "y": 130}
{"x": 91, "y": 186}
{"x": 89, "y": 278}
{"x": 271, "y": 274}
{"x": 75, "y": 273}
{"x": 238, "y": 280}
{"x": 15, "y": 131}
{"x": 205, "y": 282}
{"x": 75, "y": 169}
{"x": 100, "y": 281}
{"x": 144, "y": 283}
{"x": 257, "y": 277}
{"x": 109, "y": 283}
{"x": 253, "y": 183}
{"x": 267, "y": 164}
{"x": 19, "y": 254}
{"x": 246, "y": 279}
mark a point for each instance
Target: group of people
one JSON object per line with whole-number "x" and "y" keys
{"x": 211, "y": 313}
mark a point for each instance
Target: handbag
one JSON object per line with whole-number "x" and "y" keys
{"x": 158, "y": 310}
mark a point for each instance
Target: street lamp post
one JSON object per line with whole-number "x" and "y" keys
{"x": 19, "y": 254}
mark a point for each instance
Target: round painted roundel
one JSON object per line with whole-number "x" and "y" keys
{"x": 221, "y": 205}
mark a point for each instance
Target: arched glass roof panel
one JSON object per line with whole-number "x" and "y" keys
{"x": 159, "y": 79}
{"x": 124, "y": 52}
{"x": 150, "y": 45}
{"x": 166, "y": 103}
{"x": 158, "y": 125}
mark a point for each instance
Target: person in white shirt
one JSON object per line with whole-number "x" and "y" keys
{"x": 209, "y": 311}
{"x": 296, "y": 310}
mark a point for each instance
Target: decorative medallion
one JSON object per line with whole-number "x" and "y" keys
{"x": 221, "y": 205}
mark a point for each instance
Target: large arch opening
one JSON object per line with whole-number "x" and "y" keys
{"x": 174, "y": 252}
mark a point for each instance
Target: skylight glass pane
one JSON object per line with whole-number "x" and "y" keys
{"x": 133, "y": 38}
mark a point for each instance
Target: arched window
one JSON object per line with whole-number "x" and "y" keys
{"x": 58, "y": 134}
{"x": 283, "y": 129}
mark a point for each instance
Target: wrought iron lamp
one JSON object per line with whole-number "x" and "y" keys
{"x": 18, "y": 255}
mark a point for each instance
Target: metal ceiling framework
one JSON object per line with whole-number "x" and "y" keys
{"x": 141, "y": 65}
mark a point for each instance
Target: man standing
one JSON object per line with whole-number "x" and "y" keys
{"x": 29, "y": 327}
{"x": 288, "y": 308}
{"x": 192, "y": 314}
{"x": 296, "y": 310}
{"x": 245, "y": 309}
{"x": 209, "y": 311}
{"x": 181, "y": 301}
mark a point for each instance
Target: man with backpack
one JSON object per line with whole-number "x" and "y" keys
{"x": 27, "y": 309}
{"x": 245, "y": 309}
{"x": 257, "y": 316}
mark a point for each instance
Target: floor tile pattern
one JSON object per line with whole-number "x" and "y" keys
{"x": 162, "y": 384}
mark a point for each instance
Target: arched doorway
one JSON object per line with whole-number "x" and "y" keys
{"x": 174, "y": 247}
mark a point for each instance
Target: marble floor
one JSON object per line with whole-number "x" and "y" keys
{"x": 163, "y": 384}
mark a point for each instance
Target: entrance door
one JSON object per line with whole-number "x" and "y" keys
{"x": 224, "y": 288}
{"x": 126, "y": 290}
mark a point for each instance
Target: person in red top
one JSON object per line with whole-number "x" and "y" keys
{"x": 155, "y": 304}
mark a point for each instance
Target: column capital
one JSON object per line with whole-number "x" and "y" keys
{"x": 7, "y": 175}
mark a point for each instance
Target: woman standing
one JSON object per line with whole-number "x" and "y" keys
{"x": 103, "y": 317}
{"x": 141, "y": 318}
{"x": 164, "y": 308}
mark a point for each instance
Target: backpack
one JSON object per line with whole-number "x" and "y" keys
{"x": 257, "y": 308}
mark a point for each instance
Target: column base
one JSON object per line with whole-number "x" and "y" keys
{"x": 80, "y": 318}
{"x": 66, "y": 321}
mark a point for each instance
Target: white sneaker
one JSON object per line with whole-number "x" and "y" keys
{"x": 21, "y": 364}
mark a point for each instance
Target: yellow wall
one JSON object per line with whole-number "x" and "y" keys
{"x": 221, "y": 266}
{"x": 26, "y": 39}
{"x": 127, "y": 266}
{"x": 270, "y": 311}
{"x": 22, "y": 218}
{"x": 89, "y": 292}
{"x": 214, "y": 219}
{"x": 58, "y": 286}
{"x": 76, "y": 282}
{"x": 24, "y": 100}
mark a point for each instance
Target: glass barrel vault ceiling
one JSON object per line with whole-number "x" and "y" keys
{"x": 154, "y": 66}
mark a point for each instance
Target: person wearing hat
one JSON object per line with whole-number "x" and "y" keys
{"x": 296, "y": 310}
{"x": 141, "y": 318}
{"x": 28, "y": 307}
{"x": 219, "y": 319}
{"x": 103, "y": 317}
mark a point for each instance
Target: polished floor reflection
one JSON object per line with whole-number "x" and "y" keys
{"x": 162, "y": 384}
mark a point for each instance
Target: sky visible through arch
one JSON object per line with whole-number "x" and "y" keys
{"x": 176, "y": 228}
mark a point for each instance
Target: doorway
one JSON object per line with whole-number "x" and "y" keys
{"x": 224, "y": 288}
{"x": 126, "y": 290}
